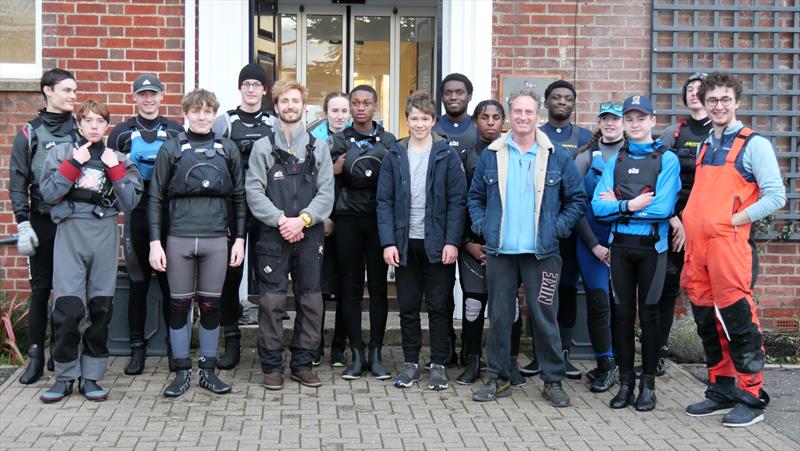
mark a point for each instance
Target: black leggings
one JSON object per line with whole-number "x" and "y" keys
{"x": 637, "y": 273}
{"x": 474, "y": 306}
{"x": 357, "y": 246}
{"x": 137, "y": 259}
{"x": 41, "y": 277}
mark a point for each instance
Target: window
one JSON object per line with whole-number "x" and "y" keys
{"x": 20, "y": 39}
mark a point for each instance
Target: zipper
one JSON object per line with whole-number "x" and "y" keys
{"x": 352, "y": 166}
{"x": 737, "y": 204}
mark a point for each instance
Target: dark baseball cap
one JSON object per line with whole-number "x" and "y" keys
{"x": 638, "y": 103}
{"x": 147, "y": 82}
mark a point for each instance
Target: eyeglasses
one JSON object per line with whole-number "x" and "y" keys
{"x": 611, "y": 106}
{"x": 255, "y": 86}
{"x": 713, "y": 101}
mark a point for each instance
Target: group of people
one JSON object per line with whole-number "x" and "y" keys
{"x": 524, "y": 216}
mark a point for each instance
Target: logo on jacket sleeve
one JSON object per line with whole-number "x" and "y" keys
{"x": 278, "y": 175}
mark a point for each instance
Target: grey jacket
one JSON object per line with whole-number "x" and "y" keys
{"x": 60, "y": 174}
{"x": 261, "y": 161}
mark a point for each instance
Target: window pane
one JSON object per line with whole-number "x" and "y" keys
{"x": 416, "y": 61}
{"x": 18, "y": 31}
{"x": 371, "y": 64}
{"x": 324, "y": 53}
{"x": 287, "y": 52}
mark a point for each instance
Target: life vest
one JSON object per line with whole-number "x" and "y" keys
{"x": 93, "y": 186}
{"x": 362, "y": 163}
{"x": 635, "y": 176}
{"x": 200, "y": 171}
{"x": 244, "y": 134}
{"x": 687, "y": 145}
{"x": 40, "y": 141}
{"x": 571, "y": 144}
{"x": 463, "y": 141}
{"x": 143, "y": 154}
{"x": 292, "y": 184}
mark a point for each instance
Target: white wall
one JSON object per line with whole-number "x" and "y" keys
{"x": 467, "y": 44}
{"x": 223, "y": 48}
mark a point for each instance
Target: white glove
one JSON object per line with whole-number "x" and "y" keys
{"x": 27, "y": 239}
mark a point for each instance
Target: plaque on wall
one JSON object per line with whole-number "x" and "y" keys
{"x": 508, "y": 84}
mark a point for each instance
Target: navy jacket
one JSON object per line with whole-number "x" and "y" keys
{"x": 446, "y": 189}
{"x": 559, "y": 199}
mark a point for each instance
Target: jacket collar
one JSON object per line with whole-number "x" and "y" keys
{"x": 435, "y": 146}
{"x": 501, "y": 143}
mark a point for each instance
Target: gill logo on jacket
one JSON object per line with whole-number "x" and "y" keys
{"x": 633, "y": 171}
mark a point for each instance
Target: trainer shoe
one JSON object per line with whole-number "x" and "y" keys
{"x": 494, "y": 388}
{"x": 571, "y": 371}
{"x": 554, "y": 393}
{"x": 408, "y": 375}
{"x": 515, "y": 377}
{"x": 708, "y": 407}
{"x": 742, "y": 416}
{"x": 438, "y": 377}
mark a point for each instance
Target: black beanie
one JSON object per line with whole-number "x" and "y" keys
{"x": 253, "y": 71}
{"x": 559, "y": 84}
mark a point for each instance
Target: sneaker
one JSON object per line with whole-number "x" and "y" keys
{"x": 338, "y": 360}
{"x": 316, "y": 360}
{"x": 531, "y": 369}
{"x": 555, "y": 394}
{"x": 592, "y": 374}
{"x": 183, "y": 379}
{"x": 661, "y": 366}
{"x": 307, "y": 378}
{"x": 742, "y": 416}
{"x": 273, "y": 381}
{"x": 438, "y": 377}
{"x": 515, "y": 377}
{"x": 495, "y": 388}
{"x": 408, "y": 375}
{"x": 708, "y": 407}
{"x": 211, "y": 382}
{"x": 571, "y": 371}
{"x": 91, "y": 391}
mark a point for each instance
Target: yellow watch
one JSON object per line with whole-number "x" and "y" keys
{"x": 306, "y": 218}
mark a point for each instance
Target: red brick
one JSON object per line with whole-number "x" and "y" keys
{"x": 140, "y": 32}
{"x": 171, "y": 10}
{"x": 141, "y": 10}
{"x": 149, "y": 66}
{"x": 52, "y": 7}
{"x": 88, "y": 30}
{"x": 121, "y": 65}
{"x": 81, "y": 42}
{"x": 82, "y": 19}
{"x": 141, "y": 43}
{"x": 148, "y": 21}
{"x": 174, "y": 32}
{"x": 141, "y": 54}
{"x": 120, "y": 43}
{"x": 91, "y": 8}
{"x": 119, "y": 21}
{"x": 82, "y": 64}
{"x": 514, "y": 19}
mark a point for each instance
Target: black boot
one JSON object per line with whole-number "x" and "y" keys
{"x": 625, "y": 395}
{"x": 232, "y": 349}
{"x": 35, "y": 368}
{"x": 646, "y": 401}
{"x": 472, "y": 370}
{"x": 136, "y": 365}
{"x": 606, "y": 375}
{"x": 376, "y": 365}
{"x": 359, "y": 365}
{"x": 209, "y": 379}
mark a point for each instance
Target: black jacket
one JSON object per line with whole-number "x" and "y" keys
{"x": 195, "y": 216}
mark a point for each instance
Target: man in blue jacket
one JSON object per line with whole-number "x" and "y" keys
{"x": 526, "y": 194}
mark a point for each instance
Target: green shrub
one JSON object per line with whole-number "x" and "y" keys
{"x": 684, "y": 343}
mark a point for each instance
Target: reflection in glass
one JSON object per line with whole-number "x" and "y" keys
{"x": 287, "y": 51}
{"x": 18, "y": 31}
{"x": 324, "y": 53}
{"x": 416, "y": 61}
{"x": 371, "y": 60}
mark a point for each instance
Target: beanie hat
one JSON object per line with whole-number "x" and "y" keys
{"x": 559, "y": 84}
{"x": 253, "y": 71}
{"x": 694, "y": 77}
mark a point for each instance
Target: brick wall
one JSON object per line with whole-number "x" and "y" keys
{"x": 603, "y": 48}
{"x": 106, "y": 44}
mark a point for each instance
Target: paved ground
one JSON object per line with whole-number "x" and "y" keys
{"x": 363, "y": 414}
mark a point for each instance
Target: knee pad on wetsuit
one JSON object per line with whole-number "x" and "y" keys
{"x": 597, "y": 302}
{"x": 210, "y": 311}
{"x": 746, "y": 343}
{"x": 472, "y": 309}
{"x": 179, "y": 312}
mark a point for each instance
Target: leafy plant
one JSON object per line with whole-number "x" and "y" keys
{"x": 12, "y": 315}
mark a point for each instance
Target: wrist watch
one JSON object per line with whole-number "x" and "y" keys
{"x": 306, "y": 218}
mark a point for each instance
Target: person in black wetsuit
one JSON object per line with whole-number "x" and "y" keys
{"x": 140, "y": 137}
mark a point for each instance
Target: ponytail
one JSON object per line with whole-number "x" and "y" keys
{"x": 595, "y": 137}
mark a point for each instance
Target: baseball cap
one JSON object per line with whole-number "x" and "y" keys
{"x": 614, "y": 108}
{"x": 147, "y": 82}
{"x": 638, "y": 103}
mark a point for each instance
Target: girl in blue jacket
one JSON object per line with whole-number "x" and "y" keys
{"x": 637, "y": 194}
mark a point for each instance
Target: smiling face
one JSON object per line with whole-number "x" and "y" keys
{"x": 523, "y": 115}
{"x": 489, "y": 123}
{"x": 610, "y": 127}
{"x": 419, "y": 124}
{"x": 338, "y": 113}
{"x": 455, "y": 98}
{"x": 290, "y": 106}
{"x": 62, "y": 96}
{"x": 560, "y": 104}
{"x": 93, "y": 126}
{"x": 148, "y": 103}
{"x": 721, "y": 106}
{"x": 639, "y": 126}
{"x": 200, "y": 119}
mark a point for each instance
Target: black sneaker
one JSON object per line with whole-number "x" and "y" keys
{"x": 708, "y": 407}
{"x": 495, "y": 388}
{"x": 408, "y": 375}
{"x": 555, "y": 394}
{"x": 606, "y": 376}
{"x": 531, "y": 369}
{"x": 742, "y": 416}
{"x": 183, "y": 379}
{"x": 661, "y": 366}
{"x": 591, "y": 375}
{"x": 438, "y": 377}
{"x": 338, "y": 360}
{"x": 571, "y": 371}
{"x": 515, "y": 377}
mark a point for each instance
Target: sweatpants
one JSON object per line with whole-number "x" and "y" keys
{"x": 195, "y": 266}
{"x": 357, "y": 247}
{"x": 137, "y": 261}
{"x": 278, "y": 258}
{"x": 418, "y": 279}
{"x": 540, "y": 279}
{"x": 41, "y": 277}
{"x": 637, "y": 274}
{"x": 568, "y": 289}
{"x": 84, "y": 280}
